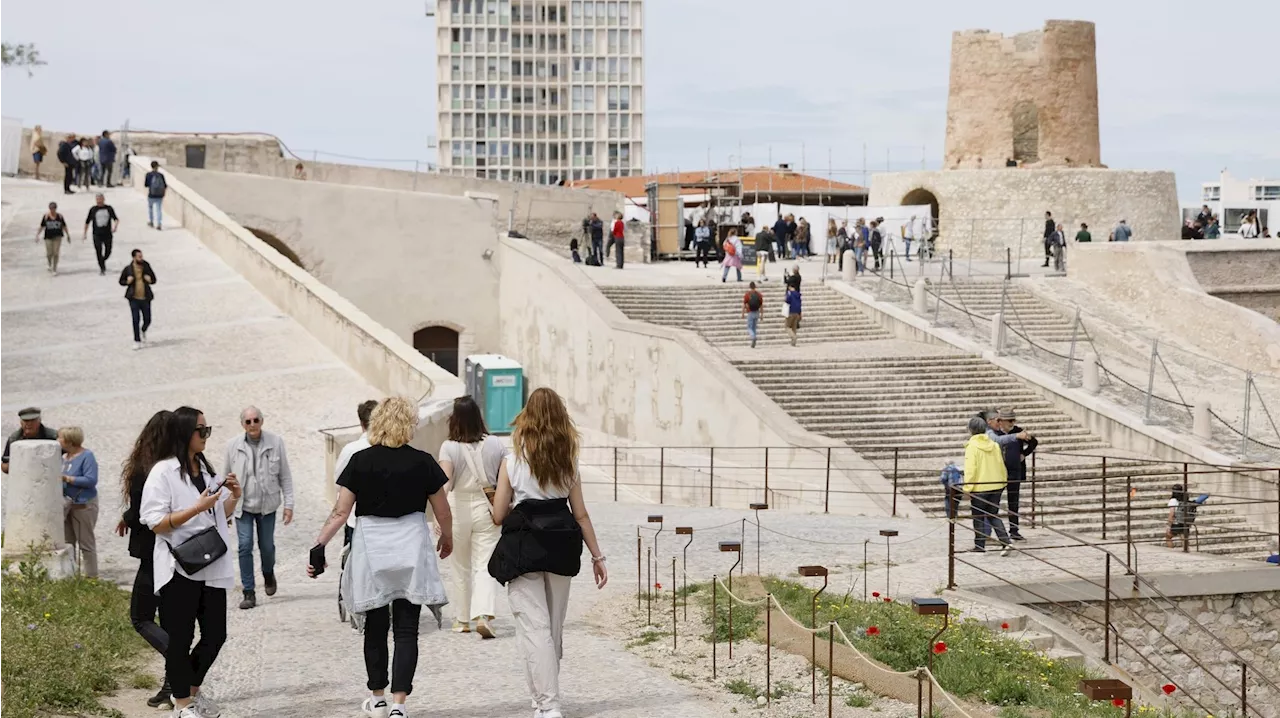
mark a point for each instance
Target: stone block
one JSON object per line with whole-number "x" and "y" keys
{"x": 34, "y": 517}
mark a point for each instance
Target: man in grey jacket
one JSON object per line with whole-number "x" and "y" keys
{"x": 258, "y": 458}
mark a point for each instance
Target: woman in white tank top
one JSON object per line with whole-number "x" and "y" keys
{"x": 539, "y": 505}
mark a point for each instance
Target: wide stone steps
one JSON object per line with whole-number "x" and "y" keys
{"x": 910, "y": 411}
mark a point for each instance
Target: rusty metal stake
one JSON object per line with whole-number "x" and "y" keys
{"x": 768, "y": 648}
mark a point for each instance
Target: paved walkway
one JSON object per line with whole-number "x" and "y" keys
{"x": 218, "y": 345}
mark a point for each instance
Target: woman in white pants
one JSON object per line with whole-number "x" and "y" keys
{"x": 544, "y": 524}
{"x": 470, "y": 458}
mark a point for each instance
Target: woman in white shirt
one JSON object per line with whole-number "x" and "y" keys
{"x": 544, "y": 525}
{"x": 471, "y": 458}
{"x": 182, "y": 498}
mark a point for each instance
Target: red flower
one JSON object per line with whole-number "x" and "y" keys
{"x": 888, "y": 600}
{"x": 939, "y": 648}
{"x": 657, "y": 586}
{"x": 873, "y": 631}
{"x": 875, "y": 594}
{"x": 1168, "y": 688}
{"x": 1117, "y": 702}
{"x": 1004, "y": 626}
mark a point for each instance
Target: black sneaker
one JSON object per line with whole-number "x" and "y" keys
{"x": 977, "y": 549}
{"x": 249, "y": 601}
{"x": 269, "y": 583}
{"x": 162, "y": 698}
{"x": 1018, "y": 537}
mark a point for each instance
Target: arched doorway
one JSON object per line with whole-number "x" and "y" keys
{"x": 920, "y": 196}
{"x": 440, "y": 345}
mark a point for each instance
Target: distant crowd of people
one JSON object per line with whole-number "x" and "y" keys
{"x": 86, "y": 161}
{"x": 1206, "y": 225}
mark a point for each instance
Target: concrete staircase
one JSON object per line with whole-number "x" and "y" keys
{"x": 714, "y": 312}
{"x": 1023, "y": 310}
{"x": 907, "y": 412}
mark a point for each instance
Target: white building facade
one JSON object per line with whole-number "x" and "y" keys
{"x": 540, "y": 90}
{"x": 1231, "y": 199}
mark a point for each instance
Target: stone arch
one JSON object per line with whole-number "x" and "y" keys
{"x": 439, "y": 343}
{"x": 919, "y": 196}
{"x": 1026, "y": 132}
{"x": 277, "y": 244}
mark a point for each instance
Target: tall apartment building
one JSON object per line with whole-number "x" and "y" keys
{"x": 540, "y": 90}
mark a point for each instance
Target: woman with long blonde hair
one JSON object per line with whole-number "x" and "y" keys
{"x": 544, "y": 525}
{"x": 391, "y": 572}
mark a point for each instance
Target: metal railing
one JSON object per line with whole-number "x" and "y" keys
{"x": 1127, "y": 490}
{"x": 1159, "y": 645}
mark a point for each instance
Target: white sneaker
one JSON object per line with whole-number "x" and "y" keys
{"x": 188, "y": 712}
{"x": 375, "y": 707}
{"x": 137, "y": 346}
{"x": 553, "y": 713}
{"x": 205, "y": 706}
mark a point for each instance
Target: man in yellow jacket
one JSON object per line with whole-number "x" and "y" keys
{"x": 984, "y": 480}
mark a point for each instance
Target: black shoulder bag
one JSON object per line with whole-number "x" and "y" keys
{"x": 203, "y": 548}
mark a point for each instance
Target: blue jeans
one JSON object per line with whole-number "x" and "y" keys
{"x": 906, "y": 248}
{"x": 860, "y": 260}
{"x": 266, "y": 524}
{"x": 753, "y": 322}
{"x": 154, "y": 215}
{"x": 725, "y": 274}
{"x": 140, "y": 309}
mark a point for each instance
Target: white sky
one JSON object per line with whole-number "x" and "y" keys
{"x": 1183, "y": 85}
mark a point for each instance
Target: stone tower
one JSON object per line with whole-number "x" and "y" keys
{"x": 1032, "y": 97}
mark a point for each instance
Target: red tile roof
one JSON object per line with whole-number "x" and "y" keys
{"x": 754, "y": 179}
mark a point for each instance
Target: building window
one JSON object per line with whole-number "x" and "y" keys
{"x": 1266, "y": 192}
{"x": 589, "y": 40}
{"x": 455, "y": 123}
{"x": 576, "y": 10}
{"x": 613, "y": 69}
{"x": 624, "y": 68}
{"x": 624, "y": 13}
{"x": 575, "y": 95}
{"x": 589, "y": 99}
{"x": 589, "y": 12}
{"x": 613, "y": 126}
{"x": 613, "y": 13}
{"x": 1212, "y": 193}
{"x": 457, "y": 152}
{"x": 577, "y": 68}
{"x": 613, "y": 99}
{"x": 576, "y": 39}
{"x": 624, "y": 127}
{"x": 624, "y": 98}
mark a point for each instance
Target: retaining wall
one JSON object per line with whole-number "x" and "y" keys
{"x": 371, "y": 350}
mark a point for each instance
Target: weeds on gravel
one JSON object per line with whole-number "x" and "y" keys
{"x": 66, "y": 643}
{"x": 745, "y": 618}
{"x": 648, "y": 637}
{"x": 858, "y": 700}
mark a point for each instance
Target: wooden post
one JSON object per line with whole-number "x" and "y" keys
{"x": 673, "y": 603}
{"x": 895, "y": 482}
{"x": 826, "y": 494}
{"x": 715, "y": 588}
{"x": 662, "y": 466}
{"x": 768, "y": 648}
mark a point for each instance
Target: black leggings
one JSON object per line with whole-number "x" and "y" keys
{"x": 402, "y": 619}
{"x": 143, "y": 604}
{"x": 183, "y": 604}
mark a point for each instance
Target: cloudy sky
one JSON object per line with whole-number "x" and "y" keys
{"x": 1190, "y": 86}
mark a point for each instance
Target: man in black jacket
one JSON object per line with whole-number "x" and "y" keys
{"x": 1015, "y": 455}
{"x": 137, "y": 278}
{"x": 68, "y": 161}
{"x": 102, "y": 217}
{"x": 1049, "y": 228}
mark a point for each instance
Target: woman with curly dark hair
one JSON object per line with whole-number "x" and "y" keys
{"x": 143, "y": 604}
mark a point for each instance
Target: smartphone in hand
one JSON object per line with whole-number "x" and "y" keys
{"x": 317, "y": 561}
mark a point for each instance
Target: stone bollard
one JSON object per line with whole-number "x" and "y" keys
{"x": 1202, "y": 426}
{"x": 997, "y": 333}
{"x": 850, "y": 269}
{"x": 919, "y": 297}
{"x": 1090, "y": 380}
{"x": 34, "y": 517}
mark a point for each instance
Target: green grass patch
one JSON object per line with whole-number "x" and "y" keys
{"x": 745, "y": 618}
{"x": 66, "y": 643}
{"x": 648, "y": 637}
{"x": 977, "y": 665}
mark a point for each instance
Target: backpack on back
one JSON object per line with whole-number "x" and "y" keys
{"x": 1185, "y": 513}
{"x": 157, "y": 185}
{"x": 754, "y": 301}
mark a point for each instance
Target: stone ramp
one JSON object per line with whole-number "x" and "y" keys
{"x": 218, "y": 344}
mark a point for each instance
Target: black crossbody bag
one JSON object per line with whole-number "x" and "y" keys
{"x": 203, "y": 548}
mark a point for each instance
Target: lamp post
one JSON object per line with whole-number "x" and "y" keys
{"x": 932, "y": 607}
{"x": 686, "y": 531}
{"x": 813, "y": 623}
{"x": 729, "y": 547}
{"x": 888, "y": 559}
{"x": 653, "y": 561}
{"x": 656, "y": 519}
{"x": 758, "y": 508}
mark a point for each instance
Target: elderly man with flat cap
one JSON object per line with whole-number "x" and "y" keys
{"x": 32, "y": 428}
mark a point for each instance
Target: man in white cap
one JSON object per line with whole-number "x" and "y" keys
{"x": 32, "y": 428}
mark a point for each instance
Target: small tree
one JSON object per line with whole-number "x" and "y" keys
{"x": 25, "y": 56}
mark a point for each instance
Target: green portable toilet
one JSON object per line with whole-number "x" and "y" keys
{"x": 497, "y": 385}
